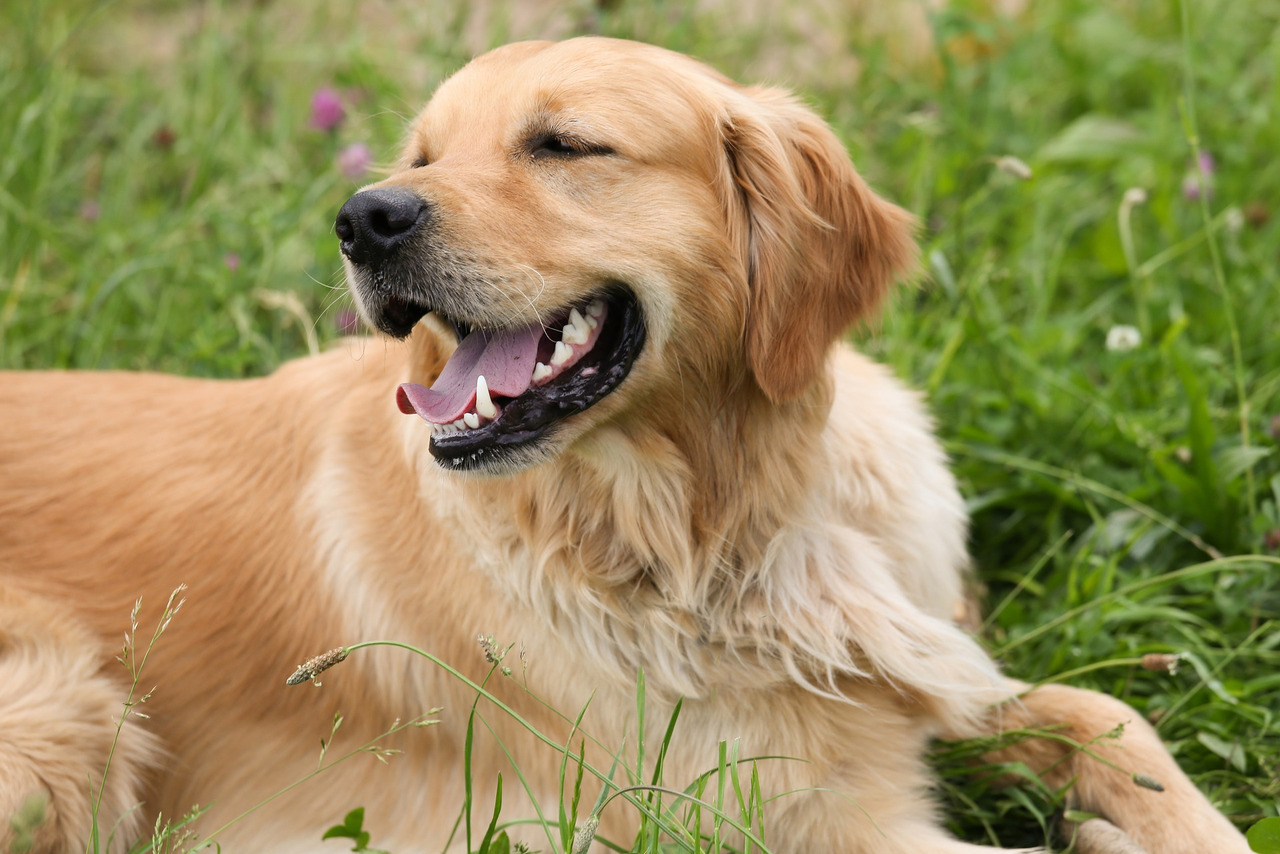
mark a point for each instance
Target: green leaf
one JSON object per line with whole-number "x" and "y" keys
{"x": 1229, "y": 751}
{"x": 493, "y": 822}
{"x": 500, "y": 845}
{"x": 1264, "y": 837}
{"x": 1093, "y": 137}
{"x": 350, "y": 828}
{"x": 1236, "y": 459}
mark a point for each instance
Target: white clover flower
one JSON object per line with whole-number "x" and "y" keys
{"x": 1233, "y": 219}
{"x": 1121, "y": 338}
{"x": 1134, "y": 196}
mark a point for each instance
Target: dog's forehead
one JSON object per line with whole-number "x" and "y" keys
{"x": 625, "y": 92}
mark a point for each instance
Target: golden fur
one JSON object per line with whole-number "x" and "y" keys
{"x": 757, "y": 517}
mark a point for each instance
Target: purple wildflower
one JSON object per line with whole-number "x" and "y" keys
{"x": 1199, "y": 178}
{"x": 354, "y": 160}
{"x": 232, "y": 260}
{"x": 346, "y": 321}
{"x": 326, "y": 109}
{"x": 90, "y": 210}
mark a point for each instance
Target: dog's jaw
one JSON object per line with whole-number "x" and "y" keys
{"x": 566, "y": 368}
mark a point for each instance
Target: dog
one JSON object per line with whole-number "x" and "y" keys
{"x": 622, "y": 432}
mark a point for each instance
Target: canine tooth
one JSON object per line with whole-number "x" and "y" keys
{"x": 582, "y": 324}
{"x": 541, "y": 372}
{"x": 472, "y": 420}
{"x": 484, "y": 403}
{"x": 595, "y": 308}
{"x": 562, "y": 354}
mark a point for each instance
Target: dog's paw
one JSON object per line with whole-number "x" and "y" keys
{"x": 58, "y": 722}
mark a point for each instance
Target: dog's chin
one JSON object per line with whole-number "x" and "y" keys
{"x": 543, "y": 376}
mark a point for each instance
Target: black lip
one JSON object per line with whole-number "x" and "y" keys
{"x": 525, "y": 419}
{"x": 397, "y": 316}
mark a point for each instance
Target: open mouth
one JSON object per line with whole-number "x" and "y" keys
{"x": 503, "y": 388}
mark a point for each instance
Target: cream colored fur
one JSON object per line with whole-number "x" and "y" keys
{"x": 758, "y": 517}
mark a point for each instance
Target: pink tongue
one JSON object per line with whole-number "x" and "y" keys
{"x": 505, "y": 359}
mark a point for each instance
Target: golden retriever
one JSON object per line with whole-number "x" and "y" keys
{"x": 622, "y": 433}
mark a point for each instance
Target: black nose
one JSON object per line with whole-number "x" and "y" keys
{"x": 373, "y": 223}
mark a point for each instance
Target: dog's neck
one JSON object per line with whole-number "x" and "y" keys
{"x": 668, "y": 524}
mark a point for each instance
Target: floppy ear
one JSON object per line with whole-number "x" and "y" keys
{"x": 822, "y": 248}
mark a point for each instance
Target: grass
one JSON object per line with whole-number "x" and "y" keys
{"x": 165, "y": 205}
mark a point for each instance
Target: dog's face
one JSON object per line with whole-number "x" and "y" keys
{"x": 609, "y": 229}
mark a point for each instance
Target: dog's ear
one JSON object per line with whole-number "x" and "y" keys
{"x": 822, "y": 249}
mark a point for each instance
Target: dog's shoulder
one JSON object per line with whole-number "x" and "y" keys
{"x": 891, "y": 480}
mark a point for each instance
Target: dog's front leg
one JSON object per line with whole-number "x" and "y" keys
{"x": 1128, "y": 778}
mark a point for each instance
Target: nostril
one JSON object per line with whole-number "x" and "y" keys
{"x": 343, "y": 228}
{"x": 389, "y": 223}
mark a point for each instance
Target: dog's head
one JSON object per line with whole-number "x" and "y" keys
{"x": 609, "y": 228}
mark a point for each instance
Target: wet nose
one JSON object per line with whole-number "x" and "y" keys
{"x": 374, "y": 223}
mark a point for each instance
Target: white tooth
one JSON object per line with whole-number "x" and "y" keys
{"x": 460, "y": 423}
{"x": 574, "y": 334}
{"x": 472, "y": 420}
{"x": 595, "y": 308}
{"x": 541, "y": 372}
{"x": 562, "y": 354}
{"x": 582, "y": 324}
{"x": 484, "y": 403}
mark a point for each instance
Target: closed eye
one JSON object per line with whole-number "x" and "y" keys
{"x": 562, "y": 145}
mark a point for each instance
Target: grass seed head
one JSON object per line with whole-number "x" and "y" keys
{"x": 1161, "y": 662}
{"x": 315, "y": 666}
{"x": 1013, "y": 166}
{"x": 1148, "y": 782}
{"x": 585, "y": 835}
{"x": 493, "y": 653}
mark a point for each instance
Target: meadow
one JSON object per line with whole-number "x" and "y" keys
{"x": 1096, "y": 324}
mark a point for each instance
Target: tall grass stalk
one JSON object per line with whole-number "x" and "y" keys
{"x": 129, "y": 659}
{"x": 1188, "y": 109}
